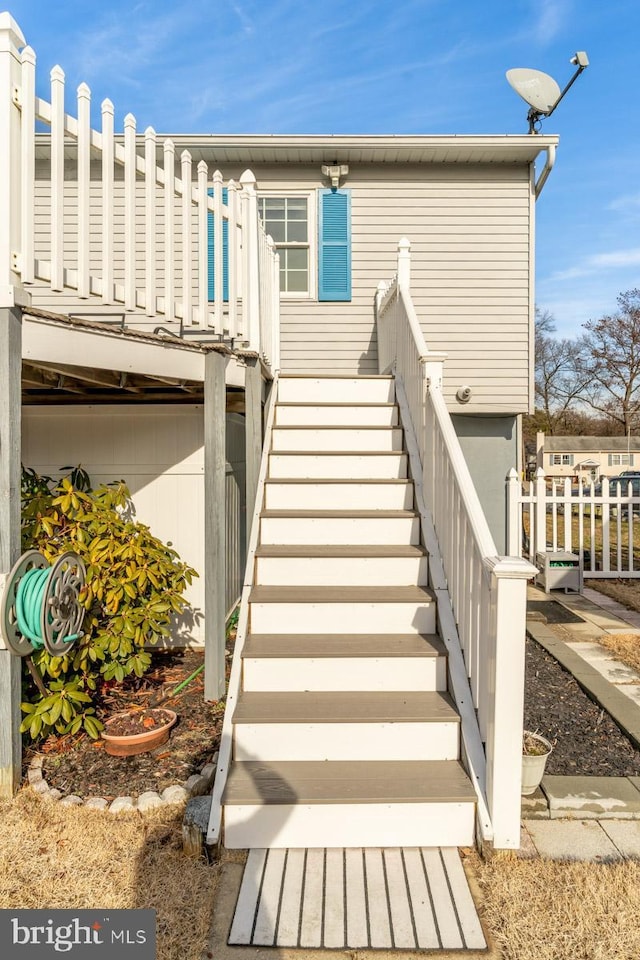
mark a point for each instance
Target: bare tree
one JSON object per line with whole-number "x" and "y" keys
{"x": 611, "y": 361}
{"x": 561, "y": 375}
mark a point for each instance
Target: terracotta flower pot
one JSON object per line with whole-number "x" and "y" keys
{"x": 130, "y": 744}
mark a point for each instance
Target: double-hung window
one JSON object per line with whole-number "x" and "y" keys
{"x": 561, "y": 459}
{"x": 286, "y": 220}
{"x": 312, "y": 233}
{"x": 620, "y": 459}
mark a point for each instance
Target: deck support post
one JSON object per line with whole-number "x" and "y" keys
{"x": 253, "y": 435}
{"x": 10, "y": 455}
{"x": 214, "y": 524}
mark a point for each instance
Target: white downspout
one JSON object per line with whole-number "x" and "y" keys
{"x": 548, "y": 167}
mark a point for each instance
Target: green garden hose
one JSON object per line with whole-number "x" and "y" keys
{"x": 29, "y": 600}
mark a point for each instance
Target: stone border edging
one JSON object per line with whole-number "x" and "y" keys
{"x": 195, "y": 786}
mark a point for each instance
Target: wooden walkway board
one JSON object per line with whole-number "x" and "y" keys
{"x": 353, "y": 898}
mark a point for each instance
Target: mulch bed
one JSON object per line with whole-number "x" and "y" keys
{"x": 82, "y": 767}
{"x": 587, "y": 741}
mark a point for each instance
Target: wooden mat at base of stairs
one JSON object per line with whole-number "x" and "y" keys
{"x": 393, "y": 898}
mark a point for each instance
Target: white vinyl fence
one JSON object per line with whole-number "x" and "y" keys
{"x": 599, "y": 522}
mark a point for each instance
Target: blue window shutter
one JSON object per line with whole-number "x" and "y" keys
{"x": 570, "y": 459}
{"x": 610, "y": 458}
{"x": 225, "y": 251}
{"x": 334, "y": 245}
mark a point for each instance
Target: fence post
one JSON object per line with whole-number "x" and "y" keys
{"x": 251, "y": 301}
{"x": 11, "y": 39}
{"x": 540, "y": 513}
{"x": 506, "y": 655}
{"x": 404, "y": 264}
{"x": 514, "y": 533}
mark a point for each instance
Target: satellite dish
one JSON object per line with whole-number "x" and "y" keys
{"x": 541, "y": 91}
{"x": 536, "y": 88}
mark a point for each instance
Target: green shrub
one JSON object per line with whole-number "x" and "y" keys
{"x": 135, "y": 584}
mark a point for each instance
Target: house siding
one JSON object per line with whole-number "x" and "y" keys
{"x": 471, "y": 230}
{"x": 158, "y": 450}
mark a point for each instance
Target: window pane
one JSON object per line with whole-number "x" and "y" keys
{"x": 297, "y": 259}
{"x": 297, "y": 281}
{"x": 276, "y": 230}
{"x": 274, "y": 207}
{"x": 297, "y": 208}
{"x": 297, "y": 231}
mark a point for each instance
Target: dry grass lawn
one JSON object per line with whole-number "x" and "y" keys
{"x": 56, "y": 856}
{"x": 53, "y": 856}
{"x": 542, "y": 910}
{"x": 624, "y": 646}
{"x": 625, "y": 591}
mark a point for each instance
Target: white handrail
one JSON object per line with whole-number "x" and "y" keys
{"x": 481, "y": 596}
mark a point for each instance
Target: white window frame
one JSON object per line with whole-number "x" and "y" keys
{"x": 312, "y": 238}
{"x": 561, "y": 459}
{"x": 621, "y": 460}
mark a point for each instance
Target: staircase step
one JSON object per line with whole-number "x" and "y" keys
{"x": 336, "y": 438}
{"x": 357, "y": 662}
{"x": 336, "y": 565}
{"x": 340, "y": 389}
{"x": 338, "y": 494}
{"x": 346, "y": 725}
{"x": 370, "y": 465}
{"x": 340, "y": 610}
{"x": 339, "y": 414}
{"x": 317, "y": 645}
{"x": 348, "y": 527}
{"x": 363, "y": 803}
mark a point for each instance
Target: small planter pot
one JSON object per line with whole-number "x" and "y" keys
{"x": 533, "y": 764}
{"x": 142, "y": 740}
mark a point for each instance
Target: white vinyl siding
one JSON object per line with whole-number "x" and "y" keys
{"x": 471, "y": 231}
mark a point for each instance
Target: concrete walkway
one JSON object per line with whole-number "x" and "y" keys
{"x": 588, "y": 818}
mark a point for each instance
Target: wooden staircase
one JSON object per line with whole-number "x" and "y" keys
{"x": 344, "y": 732}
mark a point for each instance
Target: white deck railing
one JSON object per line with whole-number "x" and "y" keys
{"x": 487, "y": 594}
{"x": 597, "y": 522}
{"x": 97, "y": 217}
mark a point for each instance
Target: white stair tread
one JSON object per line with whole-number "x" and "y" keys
{"x": 332, "y": 594}
{"x": 342, "y": 781}
{"x": 345, "y": 707}
{"x": 316, "y": 645}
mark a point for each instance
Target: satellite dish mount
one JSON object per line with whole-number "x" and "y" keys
{"x": 541, "y": 91}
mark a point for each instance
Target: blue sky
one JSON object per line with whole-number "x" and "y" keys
{"x": 409, "y": 66}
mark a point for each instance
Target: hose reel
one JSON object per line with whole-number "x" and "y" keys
{"x": 41, "y": 604}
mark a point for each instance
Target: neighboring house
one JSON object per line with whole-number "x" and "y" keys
{"x": 587, "y": 458}
{"x": 394, "y": 376}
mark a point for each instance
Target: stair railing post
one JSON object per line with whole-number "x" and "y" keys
{"x": 433, "y": 369}
{"x": 505, "y": 670}
{"x": 251, "y": 274}
{"x": 404, "y": 264}
{"x": 215, "y": 468}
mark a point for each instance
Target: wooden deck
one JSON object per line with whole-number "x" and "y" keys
{"x": 354, "y": 898}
